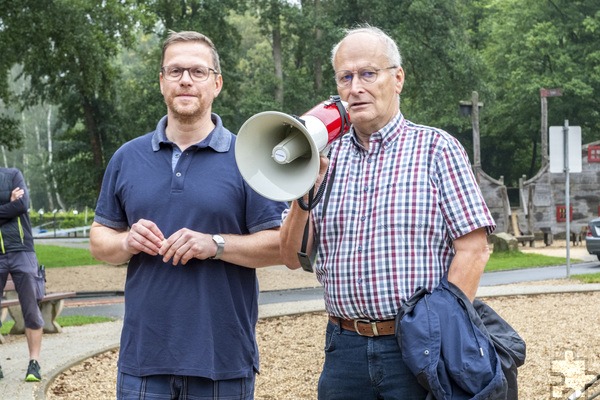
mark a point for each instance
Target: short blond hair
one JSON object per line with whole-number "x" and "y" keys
{"x": 191, "y": 36}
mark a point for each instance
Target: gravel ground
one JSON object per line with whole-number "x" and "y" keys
{"x": 561, "y": 331}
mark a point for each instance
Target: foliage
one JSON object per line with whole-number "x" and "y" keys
{"x": 66, "y": 50}
{"x": 75, "y": 168}
{"x": 543, "y": 44}
{"x": 94, "y": 66}
{"x": 139, "y": 103}
{"x": 64, "y": 219}
{"x": 61, "y": 256}
{"x": 210, "y": 18}
{"x": 9, "y": 133}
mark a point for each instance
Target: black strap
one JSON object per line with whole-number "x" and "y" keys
{"x": 343, "y": 114}
{"x": 313, "y": 199}
{"x": 306, "y": 261}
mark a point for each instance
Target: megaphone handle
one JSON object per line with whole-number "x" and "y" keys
{"x": 306, "y": 261}
{"x": 313, "y": 200}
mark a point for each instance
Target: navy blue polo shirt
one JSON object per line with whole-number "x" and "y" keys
{"x": 198, "y": 319}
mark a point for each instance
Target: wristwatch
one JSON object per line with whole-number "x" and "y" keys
{"x": 220, "y": 242}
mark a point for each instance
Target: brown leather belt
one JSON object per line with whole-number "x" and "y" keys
{"x": 364, "y": 327}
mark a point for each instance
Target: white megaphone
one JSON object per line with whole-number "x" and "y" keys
{"x": 278, "y": 154}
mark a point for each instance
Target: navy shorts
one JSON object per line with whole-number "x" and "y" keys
{"x": 29, "y": 284}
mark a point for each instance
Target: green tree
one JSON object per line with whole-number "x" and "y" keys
{"x": 279, "y": 75}
{"x": 435, "y": 40}
{"x": 35, "y": 127}
{"x": 209, "y": 17}
{"x": 66, "y": 50}
{"x": 534, "y": 45}
{"x": 9, "y": 133}
{"x": 89, "y": 78}
{"x": 255, "y": 67}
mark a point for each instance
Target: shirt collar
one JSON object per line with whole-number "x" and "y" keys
{"x": 390, "y": 132}
{"x": 218, "y": 139}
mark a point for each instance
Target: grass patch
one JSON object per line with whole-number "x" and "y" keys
{"x": 587, "y": 278}
{"x": 519, "y": 260}
{"x": 71, "y": 320}
{"x": 60, "y": 256}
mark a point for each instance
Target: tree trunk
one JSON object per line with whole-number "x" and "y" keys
{"x": 51, "y": 166}
{"x": 275, "y": 21}
{"x": 318, "y": 61}
{"x": 44, "y": 168}
{"x": 4, "y": 157}
{"x": 95, "y": 141}
{"x": 277, "y": 59}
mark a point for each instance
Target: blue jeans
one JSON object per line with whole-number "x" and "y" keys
{"x": 363, "y": 368}
{"x": 172, "y": 387}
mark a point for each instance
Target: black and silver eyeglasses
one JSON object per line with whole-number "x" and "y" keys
{"x": 198, "y": 73}
{"x": 365, "y": 75}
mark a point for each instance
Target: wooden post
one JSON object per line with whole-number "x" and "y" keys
{"x": 544, "y": 94}
{"x": 475, "y": 123}
{"x": 544, "y": 101}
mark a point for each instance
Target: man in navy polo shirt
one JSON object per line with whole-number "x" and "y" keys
{"x": 175, "y": 207}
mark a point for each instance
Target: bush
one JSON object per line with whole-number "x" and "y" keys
{"x": 63, "y": 219}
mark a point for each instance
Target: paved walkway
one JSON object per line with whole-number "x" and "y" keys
{"x": 75, "y": 344}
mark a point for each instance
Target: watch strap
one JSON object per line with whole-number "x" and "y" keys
{"x": 220, "y": 242}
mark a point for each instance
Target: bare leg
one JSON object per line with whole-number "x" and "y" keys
{"x": 34, "y": 342}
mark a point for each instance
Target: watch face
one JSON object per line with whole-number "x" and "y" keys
{"x": 220, "y": 242}
{"x": 218, "y": 239}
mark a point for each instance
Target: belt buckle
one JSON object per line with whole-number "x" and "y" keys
{"x": 366, "y": 321}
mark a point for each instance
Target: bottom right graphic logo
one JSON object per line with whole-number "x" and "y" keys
{"x": 572, "y": 379}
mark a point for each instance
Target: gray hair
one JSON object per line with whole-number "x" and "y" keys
{"x": 191, "y": 36}
{"x": 392, "y": 51}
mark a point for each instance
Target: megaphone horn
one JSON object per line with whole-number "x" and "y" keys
{"x": 278, "y": 154}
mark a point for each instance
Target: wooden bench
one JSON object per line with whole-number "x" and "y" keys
{"x": 51, "y": 306}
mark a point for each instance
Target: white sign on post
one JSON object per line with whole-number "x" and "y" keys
{"x": 557, "y": 149}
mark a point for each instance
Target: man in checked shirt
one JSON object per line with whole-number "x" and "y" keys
{"x": 404, "y": 210}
